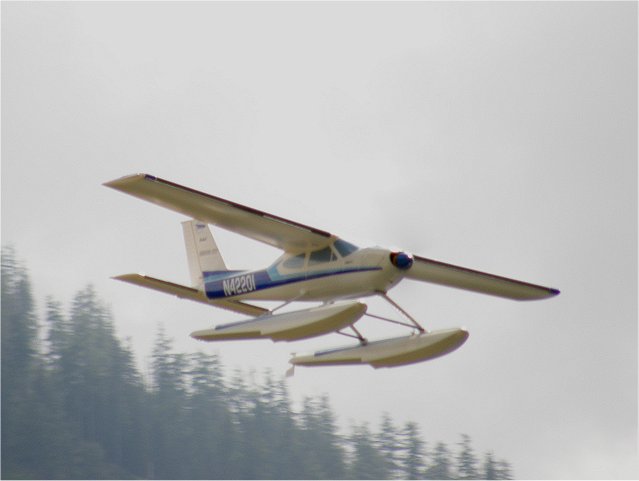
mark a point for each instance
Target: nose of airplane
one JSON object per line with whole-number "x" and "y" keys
{"x": 401, "y": 260}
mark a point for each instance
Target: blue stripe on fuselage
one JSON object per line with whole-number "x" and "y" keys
{"x": 211, "y": 276}
{"x": 235, "y": 283}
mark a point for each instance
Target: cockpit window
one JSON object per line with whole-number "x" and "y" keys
{"x": 296, "y": 262}
{"x": 344, "y": 248}
{"x": 322, "y": 255}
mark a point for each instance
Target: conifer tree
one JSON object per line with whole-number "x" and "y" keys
{"x": 413, "y": 447}
{"x": 441, "y": 466}
{"x": 388, "y": 444}
{"x": 281, "y": 433}
{"x": 503, "y": 470}
{"x": 331, "y": 455}
{"x": 489, "y": 468}
{"x": 466, "y": 460}
{"x": 211, "y": 437}
{"x": 102, "y": 390}
{"x": 58, "y": 332}
{"x": 169, "y": 405}
{"x": 319, "y": 442}
{"x": 19, "y": 365}
{"x": 367, "y": 462}
{"x": 19, "y": 324}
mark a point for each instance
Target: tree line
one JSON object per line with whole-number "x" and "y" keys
{"x": 75, "y": 406}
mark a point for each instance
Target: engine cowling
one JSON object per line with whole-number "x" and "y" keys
{"x": 401, "y": 260}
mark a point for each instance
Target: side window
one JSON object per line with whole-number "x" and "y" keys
{"x": 296, "y": 262}
{"x": 321, "y": 256}
{"x": 344, "y": 248}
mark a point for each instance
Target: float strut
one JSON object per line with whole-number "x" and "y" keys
{"x": 363, "y": 341}
{"x": 361, "y": 338}
{"x": 406, "y": 314}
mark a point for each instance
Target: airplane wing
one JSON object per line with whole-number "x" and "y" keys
{"x": 184, "y": 292}
{"x": 276, "y": 231}
{"x": 462, "y": 278}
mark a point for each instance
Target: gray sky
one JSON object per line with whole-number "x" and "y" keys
{"x": 497, "y": 136}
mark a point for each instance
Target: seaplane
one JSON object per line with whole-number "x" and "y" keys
{"x": 315, "y": 266}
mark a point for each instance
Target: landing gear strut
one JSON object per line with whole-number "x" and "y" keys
{"x": 416, "y": 324}
{"x": 358, "y": 335}
{"x": 413, "y": 322}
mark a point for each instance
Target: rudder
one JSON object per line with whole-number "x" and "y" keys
{"x": 201, "y": 251}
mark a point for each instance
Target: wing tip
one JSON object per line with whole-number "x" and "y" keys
{"x": 128, "y": 277}
{"x": 121, "y": 181}
{"x": 548, "y": 293}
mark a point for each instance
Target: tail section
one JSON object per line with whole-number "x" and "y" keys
{"x": 201, "y": 251}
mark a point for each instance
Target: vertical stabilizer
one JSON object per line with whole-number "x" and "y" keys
{"x": 201, "y": 251}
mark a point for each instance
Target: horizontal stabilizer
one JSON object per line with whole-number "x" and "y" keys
{"x": 184, "y": 292}
{"x": 429, "y": 270}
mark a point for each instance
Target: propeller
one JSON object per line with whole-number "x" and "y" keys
{"x": 401, "y": 260}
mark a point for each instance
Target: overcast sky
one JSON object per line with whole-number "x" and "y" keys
{"x": 497, "y": 136}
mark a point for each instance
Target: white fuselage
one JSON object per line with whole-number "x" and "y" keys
{"x": 310, "y": 277}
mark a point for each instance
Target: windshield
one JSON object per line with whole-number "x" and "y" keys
{"x": 344, "y": 248}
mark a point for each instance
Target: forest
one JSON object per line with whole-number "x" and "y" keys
{"x": 75, "y": 406}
